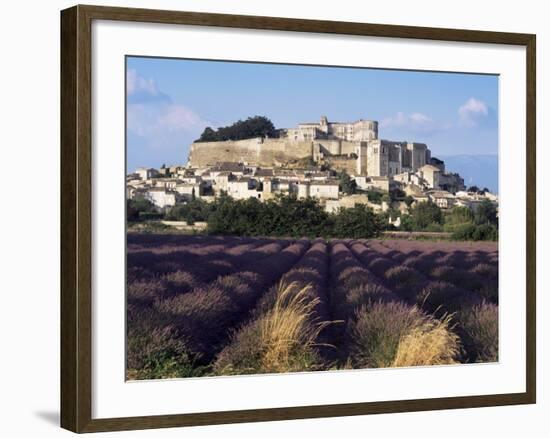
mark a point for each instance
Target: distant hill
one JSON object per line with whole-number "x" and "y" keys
{"x": 479, "y": 170}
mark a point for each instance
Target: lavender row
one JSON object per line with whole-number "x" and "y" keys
{"x": 285, "y": 331}
{"x": 205, "y": 316}
{"x": 189, "y": 274}
{"x": 475, "y": 318}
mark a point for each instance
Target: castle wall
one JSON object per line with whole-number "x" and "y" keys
{"x": 337, "y": 147}
{"x": 343, "y": 163}
{"x": 332, "y": 147}
{"x": 349, "y": 147}
{"x": 255, "y": 151}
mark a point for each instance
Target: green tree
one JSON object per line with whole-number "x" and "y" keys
{"x": 359, "y": 222}
{"x": 397, "y": 194}
{"x": 486, "y": 213}
{"x": 135, "y": 208}
{"x": 257, "y": 126}
{"x": 409, "y": 200}
{"x": 407, "y": 223}
{"x": 375, "y": 196}
{"x": 459, "y": 215}
{"x": 208, "y": 135}
{"x": 424, "y": 214}
{"x": 346, "y": 183}
{"x": 193, "y": 211}
{"x": 470, "y": 231}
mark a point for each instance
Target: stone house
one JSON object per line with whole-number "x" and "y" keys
{"x": 318, "y": 189}
{"x": 161, "y": 197}
{"x": 244, "y": 188}
{"x": 146, "y": 173}
{"x": 442, "y": 198}
{"x": 188, "y": 191}
{"x": 430, "y": 174}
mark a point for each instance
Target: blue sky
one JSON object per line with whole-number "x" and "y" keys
{"x": 171, "y": 101}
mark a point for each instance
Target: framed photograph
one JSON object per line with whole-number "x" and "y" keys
{"x": 270, "y": 218}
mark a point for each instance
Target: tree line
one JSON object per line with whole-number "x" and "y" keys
{"x": 285, "y": 215}
{"x": 463, "y": 223}
{"x": 257, "y": 126}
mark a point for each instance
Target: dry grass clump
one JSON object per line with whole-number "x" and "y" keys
{"x": 395, "y": 334}
{"x": 297, "y": 276}
{"x": 281, "y": 340}
{"x": 431, "y": 343}
{"x": 479, "y": 329}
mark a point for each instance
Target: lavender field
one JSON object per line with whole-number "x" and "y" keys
{"x": 206, "y": 305}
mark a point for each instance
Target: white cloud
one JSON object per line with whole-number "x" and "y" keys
{"x": 472, "y": 112}
{"x": 136, "y": 83}
{"x": 148, "y": 120}
{"x": 415, "y": 121}
{"x": 153, "y": 115}
{"x": 178, "y": 117}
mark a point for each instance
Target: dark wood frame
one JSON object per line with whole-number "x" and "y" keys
{"x": 76, "y": 177}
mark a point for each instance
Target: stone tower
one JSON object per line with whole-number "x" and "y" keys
{"x": 361, "y": 151}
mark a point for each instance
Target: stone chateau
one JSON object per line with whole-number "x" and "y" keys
{"x": 354, "y": 147}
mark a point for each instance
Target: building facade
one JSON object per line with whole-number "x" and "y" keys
{"x": 351, "y": 146}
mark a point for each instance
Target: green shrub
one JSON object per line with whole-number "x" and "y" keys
{"x": 149, "y": 215}
{"x": 135, "y": 207}
{"x": 475, "y": 232}
{"x": 359, "y": 222}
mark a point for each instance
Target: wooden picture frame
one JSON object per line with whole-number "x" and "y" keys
{"x": 76, "y": 217}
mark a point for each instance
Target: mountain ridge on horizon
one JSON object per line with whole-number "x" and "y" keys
{"x": 480, "y": 170}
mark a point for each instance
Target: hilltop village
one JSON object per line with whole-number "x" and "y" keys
{"x": 339, "y": 164}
